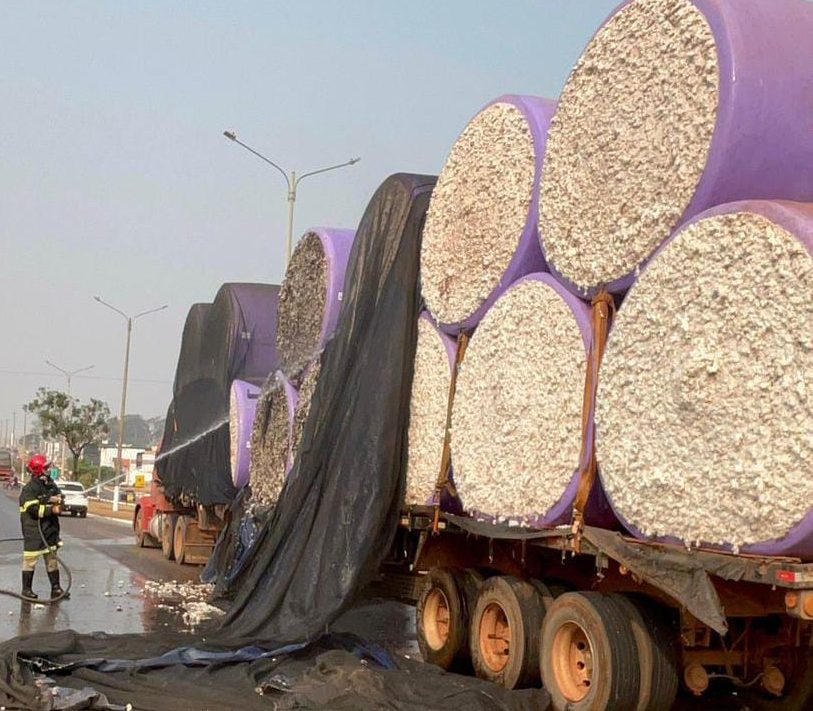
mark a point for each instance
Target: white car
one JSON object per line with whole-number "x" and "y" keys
{"x": 75, "y": 500}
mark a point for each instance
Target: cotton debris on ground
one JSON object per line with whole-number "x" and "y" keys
{"x": 629, "y": 140}
{"x": 516, "y": 419}
{"x": 270, "y": 443}
{"x": 478, "y": 211}
{"x": 190, "y": 598}
{"x": 705, "y": 414}
{"x": 302, "y": 302}
{"x": 431, "y": 381}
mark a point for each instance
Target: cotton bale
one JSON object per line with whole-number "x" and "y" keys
{"x": 517, "y": 413}
{"x": 674, "y": 107}
{"x": 311, "y": 296}
{"x": 481, "y": 227}
{"x": 705, "y": 408}
{"x": 431, "y": 380}
{"x": 271, "y": 438}
{"x": 242, "y": 410}
{"x": 310, "y": 378}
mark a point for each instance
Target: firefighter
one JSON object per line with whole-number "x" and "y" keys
{"x": 40, "y": 502}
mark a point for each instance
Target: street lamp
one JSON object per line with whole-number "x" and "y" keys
{"x": 129, "y": 320}
{"x": 68, "y": 375}
{"x": 292, "y": 182}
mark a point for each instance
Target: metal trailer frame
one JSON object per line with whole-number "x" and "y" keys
{"x": 764, "y": 605}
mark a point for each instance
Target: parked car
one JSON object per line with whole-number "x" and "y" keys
{"x": 76, "y": 503}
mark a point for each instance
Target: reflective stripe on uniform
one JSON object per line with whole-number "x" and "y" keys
{"x": 44, "y": 551}
{"x": 28, "y": 504}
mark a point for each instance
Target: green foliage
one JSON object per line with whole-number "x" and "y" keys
{"x": 87, "y": 473}
{"x": 64, "y": 417}
{"x": 136, "y": 431}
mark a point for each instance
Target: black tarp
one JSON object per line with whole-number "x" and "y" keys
{"x": 325, "y": 539}
{"x": 189, "y": 366}
{"x": 338, "y": 510}
{"x": 340, "y": 673}
{"x": 233, "y": 338}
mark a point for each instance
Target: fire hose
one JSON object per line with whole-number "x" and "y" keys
{"x": 62, "y": 564}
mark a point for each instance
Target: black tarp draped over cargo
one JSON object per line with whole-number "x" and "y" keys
{"x": 189, "y": 367}
{"x": 338, "y": 510}
{"x": 333, "y": 524}
{"x": 234, "y": 337}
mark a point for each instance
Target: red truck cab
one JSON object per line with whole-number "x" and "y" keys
{"x": 6, "y": 467}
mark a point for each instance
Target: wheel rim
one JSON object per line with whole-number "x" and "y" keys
{"x": 572, "y": 661}
{"x": 436, "y": 619}
{"x": 495, "y": 637}
{"x": 178, "y": 543}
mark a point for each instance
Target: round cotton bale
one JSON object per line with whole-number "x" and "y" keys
{"x": 516, "y": 418}
{"x": 303, "y": 405}
{"x": 481, "y": 227}
{"x": 431, "y": 380}
{"x": 271, "y": 438}
{"x": 242, "y": 410}
{"x": 311, "y": 296}
{"x": 240, "y": 337}
{"x": 705, "y": 408}
{"x": 675, "y": 106}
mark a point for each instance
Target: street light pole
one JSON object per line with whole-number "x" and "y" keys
{"x": 129, "y": 319}
{"x": 68, "y": 375}
{"x": 292, "y": 182}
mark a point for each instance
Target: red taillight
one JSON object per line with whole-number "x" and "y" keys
{"x": 786, "y": 576}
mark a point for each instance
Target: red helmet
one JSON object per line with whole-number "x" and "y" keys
{"x": 38, "y": 465}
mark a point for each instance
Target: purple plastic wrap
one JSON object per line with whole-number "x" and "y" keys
{"x": 336, "y": 244}
{"x": 796, "y": 218}
{"x": 761, "y": 147}
{"x": 528, "y": 256}
{"x": 598, "y": 511}
{"x": 242, "y": 409}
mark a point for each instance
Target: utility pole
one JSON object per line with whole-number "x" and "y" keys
{"x": 123, "y": 409}
{"x": 292, "y": 182}
{"x": 68, "y": 375}
{"x": 24, "y": 446}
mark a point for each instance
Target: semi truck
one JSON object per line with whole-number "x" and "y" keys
{"x": 605, "y": 621}
{"x": 185, "y": 532}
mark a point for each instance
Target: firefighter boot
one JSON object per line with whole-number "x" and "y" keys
{"x": 56, "y": 590}
{"x": 28, "y": 581}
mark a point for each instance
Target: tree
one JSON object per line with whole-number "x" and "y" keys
{"x": 136, "y": 431}
{"x": 63, "y": 417}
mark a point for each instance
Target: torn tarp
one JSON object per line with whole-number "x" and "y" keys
{"x": 339, "y": 672}
{"x": 338, "y": 510}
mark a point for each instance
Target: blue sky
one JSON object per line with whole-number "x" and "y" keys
{"x": 115, "y": 178}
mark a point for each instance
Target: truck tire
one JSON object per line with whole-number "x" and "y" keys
{"x": 504, "y": 632}
{"x": 442, "y": 617}
{"x": 168, "y": 535}
{"x": 656, "y": 642}
{"x": 138, "y": 529}
{"x": 588, "y": 654}
{"x": 179, "y": 544}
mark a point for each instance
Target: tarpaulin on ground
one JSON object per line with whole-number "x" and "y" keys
{"x": 338, "y": 510}
{"x": 162, "y": 673}
{"x": 234, "y": 337}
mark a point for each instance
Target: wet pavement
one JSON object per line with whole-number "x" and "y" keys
{"x": 109, "y": 578}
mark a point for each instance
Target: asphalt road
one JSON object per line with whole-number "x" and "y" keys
{"x": 109, "y": 578}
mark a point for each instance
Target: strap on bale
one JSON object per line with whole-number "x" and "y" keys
{"x": 443, "y": 482}
{"x": 602, "y": 314}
